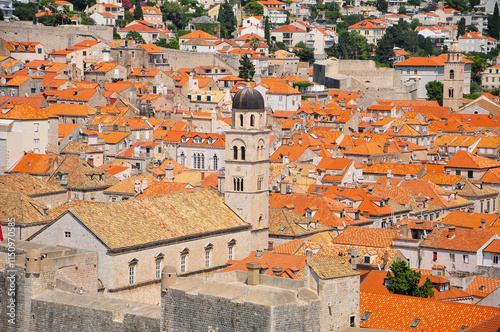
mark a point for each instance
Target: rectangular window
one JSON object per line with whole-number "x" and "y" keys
{"x": 230, "y": 253}
{"x": 452, "y": 257}
{"x": 466, "y": 259}
{"x": 36, "y": 143}
{"x": 495, "y": 259}
{"x": 207, "y": 258}
{"x": 458, "y": 172}
{"x": 39, "y": 51}
{"x": 183, "y": 263}
{"x": 131, "y": 274}
{"x": 76, "y": 196}
{"x": 470, "y": 174}
{"x": 33, "y": 90}
{"x": 158, "y": 269}
{"x": 434, "y": 256}
{"x": 352, "y": 321}
{"x": 367, "y": 259}
{"x": 67, "y": 234}
{"x": 35, "y": 127}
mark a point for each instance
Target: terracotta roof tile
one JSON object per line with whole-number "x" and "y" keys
{"x": 458, "y": 239}
{"x": 364, "y": 236}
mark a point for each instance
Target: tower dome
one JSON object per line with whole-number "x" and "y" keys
{"x": 248, "y": 99}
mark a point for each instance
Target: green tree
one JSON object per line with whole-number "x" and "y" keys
{"x": 382, "y": 6}
{"x": 138, "y": 14}
{"x": 25, "y": 11}
{"x": 402, "y": 10}
{"x": 267, "y": 31}
{"x": 472, "y": 28}
{"x": 162, "y": 42}
{"x": 351, "y": 46}
{"x": 246, "y": 68}
{"x": 414, "y": 24}
{"x": 227, "y": 20}
{"x": 173, "y": 11}
{"x": 404, "y": 281}
{"x": 254, "y": 8}
{"x": 461, "y": 27}
{"x": 429, "y": 49}
{"x": 494, "y": 23}
{"x": 384, "y": 50}
{"x": 305, "y": 54}
{"x": 434, "y": 90}
{"x": 134, "y": 35}
{"x": 254, "y": 42}
{"x": 460, "y": 5}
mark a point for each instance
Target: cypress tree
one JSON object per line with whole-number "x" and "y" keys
{"x": 138, "y": 14}
{"x": 247, "y": 69}
{"x": 267, "y": 31}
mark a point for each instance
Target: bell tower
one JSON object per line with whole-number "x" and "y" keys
{"x": 247, "y": 164}
{"x": 453, "y": 86}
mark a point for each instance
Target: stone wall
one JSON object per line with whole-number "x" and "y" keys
{"x": 184, "y": 59}
{"x": 200, "y": 312}
{"x": 58, "y": 311}
{"x": 54, "y": 38}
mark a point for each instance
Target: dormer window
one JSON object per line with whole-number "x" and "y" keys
{"x": 197, "y": 140}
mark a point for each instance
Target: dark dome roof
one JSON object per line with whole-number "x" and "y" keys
{"x": 248, "y": 99}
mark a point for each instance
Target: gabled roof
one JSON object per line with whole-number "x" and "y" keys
{"x": 463, "y": 159}
{"x": 288, "y": 28}
{"x": 139, "y": 222}
{"x": 199, "y": 34}
{"x": 27, "y": 185}
{"x": 25, "y": 112}
{"x": 34, "y": 163}
{"x": 368, "y": 24}
{"x": 457, "y": 239}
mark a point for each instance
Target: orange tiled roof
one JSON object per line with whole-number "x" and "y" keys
{"x": 33, "y": 163}
{"x": 399, "y": 312}
{"x": 199, "y": 34}
{"x": 481, "y": 286}
{"x": 463, "y": 159}
{"x": 458, "y": 239}
{"x": 364, "y": 236}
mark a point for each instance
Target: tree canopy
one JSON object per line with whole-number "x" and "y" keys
{"x": 434, "y": 90}
{"x": 173, "y": 11}
{"x": 350, "y": 46}
{"x": 404, "y": 281}
{"x": 382, "y": 6}
{"x": 134, "y": 35}
{"x": 494, "y": 23}
{"x": 246, "y": 68}
{"x": 305, "y": 54}
{"x": 460, "y": 5}
{"x": 138, "y": 14}
{"x": 227, "y": 20}
{"x": 461, "y": 27}
{"x": 254, "y": 8}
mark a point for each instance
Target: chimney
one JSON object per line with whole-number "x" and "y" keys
{"x": 388, "y": 183}
{"x": 446, "y": 121}
{"x": 253, "y": 274}
{"x": 198, "y": 185}
{"x": 451, "y": 232}
{"x": 386, "y": 147}
{"x": 144, "y": 184}
{"x": 169, "y": 172}
{"x": 258, "y": 253}
{"x": 202, "y": 176}
{"x": 300, "y": 141}
{"x": 308, "y": 255}
{"x": 404, "y": 230}
{"x": 277, "y": 270}
{"x": 137, "y": 186}
{"x": 483, "y": 222}
{"x": 283, "y": 186}
{"x": 386, "y": 257}
{"x": 354, "y": 257}
{"x": 270, "y": 246}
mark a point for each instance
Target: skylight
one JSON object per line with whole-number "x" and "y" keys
{"x": 365, "y": 316}
{"x": 415, "y": 323}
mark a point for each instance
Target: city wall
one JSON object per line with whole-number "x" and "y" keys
{"x": 54, "y": 38}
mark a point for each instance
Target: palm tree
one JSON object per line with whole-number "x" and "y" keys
{"x": 254, "y": 43}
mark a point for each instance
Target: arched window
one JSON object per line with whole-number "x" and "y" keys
{"x": 235, "y": 184}
{"x": 258, "y": 152}
{"x": 235, "y": 152}
{"x": 238, "y": 184}
{"x": 202, "y": 158}
{"x": 252, "y": 120}
{"x": 241, "y": 184}
{"x": 216, "y": 162}
{"x": 450, "y": 92}
{"x": 242, "y": 153}
{"x": 195, "y": 160}
{"x": 452, "y": 74}
{"x": 241, "y": 120}
{"x": 183, "y": 159}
